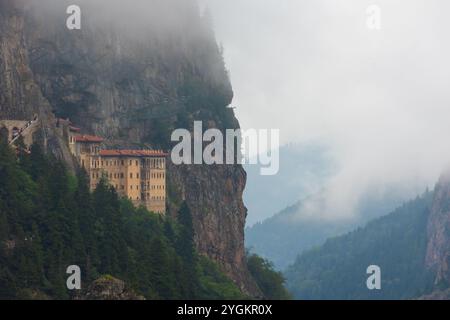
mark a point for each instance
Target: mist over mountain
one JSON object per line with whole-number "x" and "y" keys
{"x": 377, "y": 98}
{"x": 363, "y": 117}
{"x": 397, "y": 243}
{"x": 409, "y": 245}
{"x": 282, "y": 237}
{"x": 288, "y": 212}
{"x": 303, "y": 170}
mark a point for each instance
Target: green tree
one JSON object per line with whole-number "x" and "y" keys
{"x": 268, "y": 280}
{"x": 186, "y": 249}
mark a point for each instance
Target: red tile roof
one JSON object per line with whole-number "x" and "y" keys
{"x": 88, "y": 138}
{"x": 133, "y": 153}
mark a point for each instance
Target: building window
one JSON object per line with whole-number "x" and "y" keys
{"x": 131, "y": 175}
{"x": 137, "y": 175}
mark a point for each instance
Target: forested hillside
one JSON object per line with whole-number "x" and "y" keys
{"x": 397, "y": 243}
{"x": 49, "y": 220}
{"x": 293, "y": 230}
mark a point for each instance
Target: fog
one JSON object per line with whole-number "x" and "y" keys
{"x": 378, "y": 98}
{"x": 138, "y": 17}
{"x": 314, "y": 70}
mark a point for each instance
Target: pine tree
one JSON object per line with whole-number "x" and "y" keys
{"x": 186, "y": 250}
{"x": 86, "y": 223}
{"x": 47, "y": 222}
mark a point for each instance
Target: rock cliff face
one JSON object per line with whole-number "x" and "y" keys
{"x": 214, "y": 195}
{"x": 20, "y": 96}
{"x": 131, "y": 76}
{"x": 438, "y": 250}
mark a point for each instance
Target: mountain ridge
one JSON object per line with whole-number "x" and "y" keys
{"x": 410, "y": 245}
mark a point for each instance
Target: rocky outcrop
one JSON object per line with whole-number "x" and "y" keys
{"x": 131, "y": 77}
{"x": 438, "y": 249}
{"x": 108, "y": 288}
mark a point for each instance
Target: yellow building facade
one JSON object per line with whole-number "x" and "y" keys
{"x": 139, "y": 175}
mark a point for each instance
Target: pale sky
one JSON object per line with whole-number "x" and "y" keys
{"x": 380, "y": 99}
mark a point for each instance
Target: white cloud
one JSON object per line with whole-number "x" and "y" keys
{"x": 313, "y": 69}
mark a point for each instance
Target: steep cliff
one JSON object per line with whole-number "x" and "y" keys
{"x": 438, "y": 249}
{"x": 131, "y": 76}
{"x": 20, "y": 96}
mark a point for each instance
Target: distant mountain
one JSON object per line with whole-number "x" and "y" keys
{"x": 397, "y": 243}
{"x": 282, "y": 237}
{"x": 290, "y": 232}
{"x": 303, "y": 170}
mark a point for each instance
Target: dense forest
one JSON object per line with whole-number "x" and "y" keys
{"x": 49, "y": 220}
{"x": 396, "y": 243}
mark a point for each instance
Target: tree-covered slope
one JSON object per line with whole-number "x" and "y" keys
{"x": 285, "y": 235}
{"x": 295, "y": 230}
{"x": 396, "y": 243}
{"x": 49, "y": 220}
